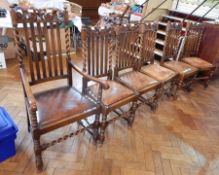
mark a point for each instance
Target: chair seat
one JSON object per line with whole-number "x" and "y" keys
{"x": 61, "y": 106}
{"x": 182, "y": 68}
{"x": 115, "y": 93}
{"x": 198, "y": 63}
{"x": 158, "y": 72}
{"x": 139, "y": 81}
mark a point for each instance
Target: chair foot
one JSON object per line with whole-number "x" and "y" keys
{"x": 205, "y": 84}
{"x": 38, "y": 154}
{"x": 154, "y": 105}
{"x": 157, "y": 95}
{"x": 174, "y": 88}
{"x": 39, "y": 163}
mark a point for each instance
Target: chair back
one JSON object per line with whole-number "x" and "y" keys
{"x": 173, "y": 34}
{"x": 127, "y": 46}
{"x": 194, "y": 33}
{"x": 40, "y": 31}
{"x": 97, "y": 50}
{"x": 149, "y": 40}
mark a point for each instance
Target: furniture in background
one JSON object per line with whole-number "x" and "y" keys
{"x": 193, "y": 36}
{"x": 58, "y": 106}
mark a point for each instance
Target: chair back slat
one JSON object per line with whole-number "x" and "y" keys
{"x": 40, "y": 37}
{"x": 194, "y": 33}
{"x": 96, "y": 50}
{"x": 173, "y": 34}
{"x": 41, "y": 32}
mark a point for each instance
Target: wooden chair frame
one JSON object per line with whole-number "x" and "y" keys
{"x": 38, "y": 22}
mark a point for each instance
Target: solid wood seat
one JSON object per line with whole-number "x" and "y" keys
{"x": 158, "y": 72}
{"x": 182, "y": 68}
{"x": 139, "y": 81}
{"x": 198, "y": 63}
{"x": 114, "y": 94}
{"x": 68, "y": 106}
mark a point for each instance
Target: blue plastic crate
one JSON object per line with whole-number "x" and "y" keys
{"x": 8, "y": 132}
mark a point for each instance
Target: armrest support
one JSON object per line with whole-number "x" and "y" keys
{"x": 104, "y": 85}
{"x": 27, "y": 90}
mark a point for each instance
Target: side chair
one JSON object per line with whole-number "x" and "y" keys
{"x": 97, "y": 46}
{"x": 193, "y": 36}
{"x": 187, "y": 73}
{"x": 57, "y": 106}
{"x": 127, "y": 71}
{"x": 168, "y": 78}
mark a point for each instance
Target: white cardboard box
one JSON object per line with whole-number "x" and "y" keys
{"x": 2, "y": 60}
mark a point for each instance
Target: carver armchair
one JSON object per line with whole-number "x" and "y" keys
{"x": 60, "y": 104}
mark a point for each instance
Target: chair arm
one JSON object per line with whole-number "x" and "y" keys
{"x": 27, "y": 90}
{"x": 104, "y": 85}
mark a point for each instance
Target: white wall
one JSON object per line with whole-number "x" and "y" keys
{"x": 162, "y": 9}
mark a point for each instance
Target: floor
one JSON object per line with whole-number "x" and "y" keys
{"x": 180, "y": 138}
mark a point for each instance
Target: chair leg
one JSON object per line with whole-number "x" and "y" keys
{"x": 174, "y": 88}
{"x": 209, "y": 75}
{"x": 28, "y": 121}
{"x": 96, "y": 128}
{"x": 103, "y": 127}
{"x": 189, "y": 83}
{"x": 132, "y": 113}
{"x": 156, "y": 97}
{"x": 38, "y": 154}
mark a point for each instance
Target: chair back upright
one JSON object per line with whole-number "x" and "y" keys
{"x": 149, "y": 34}
{"x": 193, "y": 36}
{"x": 39, "y": 30}
{"x": 172, "y": 40}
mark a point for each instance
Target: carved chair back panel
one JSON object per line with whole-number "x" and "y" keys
{"x": 97, "y": 46}
{"x": 149, "y": 40}
{"x": 194, "y": 33}
{"x": 173, "y": 34}
{"x": 41, "y": 31}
